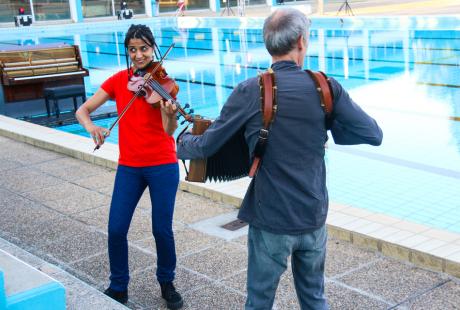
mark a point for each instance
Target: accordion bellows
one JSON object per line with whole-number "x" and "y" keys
{"x": 231, "y": 161}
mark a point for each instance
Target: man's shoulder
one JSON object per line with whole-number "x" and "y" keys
{"x": 248, "y": 84}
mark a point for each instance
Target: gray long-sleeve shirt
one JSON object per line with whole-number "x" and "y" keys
{"x": 289, "y": 194}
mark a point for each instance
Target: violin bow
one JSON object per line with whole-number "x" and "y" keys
{"x": 138, "y": 92}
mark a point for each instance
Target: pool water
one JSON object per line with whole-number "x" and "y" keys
{"x": 407, "y": 79}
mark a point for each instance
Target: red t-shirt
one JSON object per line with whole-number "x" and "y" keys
{"x": 142, "y": 139}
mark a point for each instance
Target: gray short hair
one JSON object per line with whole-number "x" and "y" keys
{"x": 282, "y": 29}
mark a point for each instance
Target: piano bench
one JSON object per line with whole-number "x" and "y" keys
{"x": 62, "y": 92}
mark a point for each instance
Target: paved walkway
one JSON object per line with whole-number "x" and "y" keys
{"x": 56, "y": 207}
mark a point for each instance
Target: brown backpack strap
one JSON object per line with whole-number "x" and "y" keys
{"x": 325, "y": 90}
{"x": 268, "y": 108}
{"x": 268, "y": 99}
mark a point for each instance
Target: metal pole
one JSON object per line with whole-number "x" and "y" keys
{"x": 32, "y": 10}
{"x": 320, "y": 7}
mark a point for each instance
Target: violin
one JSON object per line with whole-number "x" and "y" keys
{"x": 154, "y": 84}
{"x": 156, "y": 80}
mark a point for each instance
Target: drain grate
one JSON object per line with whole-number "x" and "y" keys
{"x": 234, "y": 225}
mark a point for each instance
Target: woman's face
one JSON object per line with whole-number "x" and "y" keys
{"x": 140, "y": 53}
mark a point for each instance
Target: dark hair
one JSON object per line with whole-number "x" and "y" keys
{"x": 140, "y": 32}
{"x": 145, "y": 34}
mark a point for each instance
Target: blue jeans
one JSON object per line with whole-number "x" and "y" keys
{"x": 267, "y": 260}
{"x": 130, "y": 183}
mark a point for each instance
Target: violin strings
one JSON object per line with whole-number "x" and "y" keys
{"x": 159, "y": 89}
{"x": 163, "y": 93}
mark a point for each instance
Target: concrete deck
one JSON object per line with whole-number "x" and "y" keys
{"x": 54, "y": 211}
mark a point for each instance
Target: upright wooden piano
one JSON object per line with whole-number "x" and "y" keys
{"x": 26, "y": 70}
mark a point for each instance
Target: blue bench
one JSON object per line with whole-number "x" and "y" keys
{"x": 23, "y": 287}
{"x": 62, "y": 92}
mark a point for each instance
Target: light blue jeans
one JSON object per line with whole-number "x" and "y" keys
{"x": 267, "y": 261}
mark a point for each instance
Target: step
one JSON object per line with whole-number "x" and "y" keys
{"x": 24, "y": 287}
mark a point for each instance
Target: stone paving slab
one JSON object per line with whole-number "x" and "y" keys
{"x": 26, "y": 179}
{"x": 75, "y": 247}
{"x": 342, "y": 257}
{"x": 9, "y": 164}
{"x": 98, "y": 181}
{"x": 79, "y": 295}
{"x": 21, "y": 222}
{"x": 444, "y": 297}
{"x": 146, "y": 290}
{"x": 18, "y": 154}
{"x": 211, "y": 271}
{"x": 187, "y": 240}
{"x": 217, "y": 262}
{"x": 393, "y": 281}
{"x": 193, "y": 208}
{"x": 340, "y": 297}
{"x": 68, "y": 198}
{"x": 214, "y": 297}
{"x": 96, "y": 268}
{"x": 52, "y": 229}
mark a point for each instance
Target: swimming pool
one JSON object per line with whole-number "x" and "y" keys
{"x": 405, "y": 77}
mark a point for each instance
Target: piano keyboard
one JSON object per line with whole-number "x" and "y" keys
{"x": 48, "y": 75}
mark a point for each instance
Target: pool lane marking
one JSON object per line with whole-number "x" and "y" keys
{"x": 398, "y": 161}
{"x": 438, "y": 84}
{"x": 354, "y": 46}
{"x": 454, "y": 118}
{"x": 238, "y": 51}
{"x": 197, "y": 82}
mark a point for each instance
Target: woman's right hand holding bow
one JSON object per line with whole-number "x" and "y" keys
{"x": 98, "y": 134}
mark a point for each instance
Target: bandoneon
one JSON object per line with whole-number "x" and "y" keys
{"x": 229, "y": 163}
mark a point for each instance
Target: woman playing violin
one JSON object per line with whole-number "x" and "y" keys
{"x": 147, "y": 158}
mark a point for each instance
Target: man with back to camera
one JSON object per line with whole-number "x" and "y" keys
{"x": 286, "y": 203}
